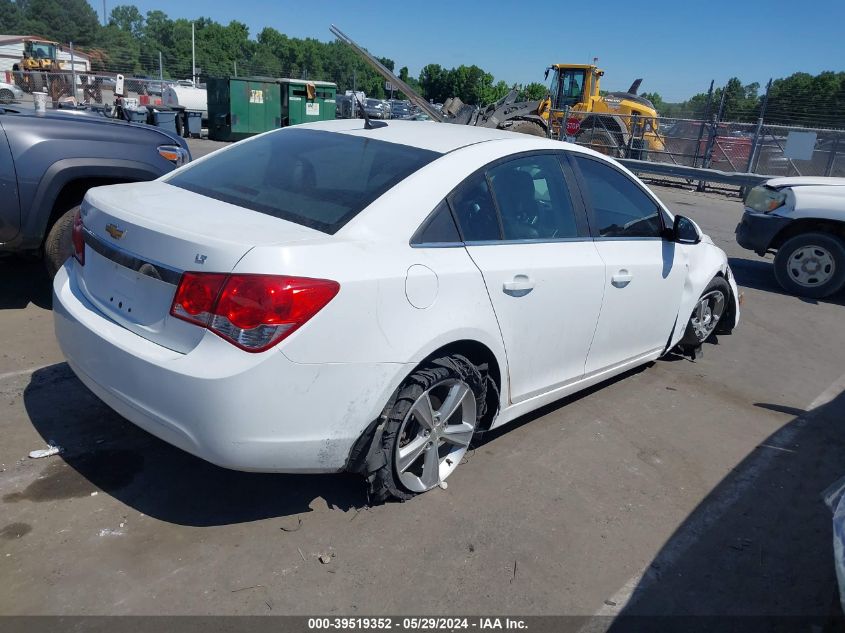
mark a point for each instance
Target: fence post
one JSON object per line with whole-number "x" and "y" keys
{"x": 830, "y": 161}
{"x": 704, "y": 119}
{"x": 711, "y": 141}
{"x": 73, "y": 74}
{"x": 752, "y": 154}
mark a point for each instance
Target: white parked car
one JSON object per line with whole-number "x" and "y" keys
{"x": 9, "y": 93}
{"x": 802, "y": 220}
{"x": 327, "y": 297}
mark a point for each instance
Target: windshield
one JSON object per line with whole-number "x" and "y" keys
{"x": 311, "y": 177}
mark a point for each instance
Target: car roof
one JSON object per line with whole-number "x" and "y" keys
{"x": 442, "y": 138}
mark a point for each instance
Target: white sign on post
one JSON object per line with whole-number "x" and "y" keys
{"x": 800, "y": 145}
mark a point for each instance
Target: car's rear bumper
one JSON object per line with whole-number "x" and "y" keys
{"x": 254, "y": 412}
{"x": 757, "y": 230}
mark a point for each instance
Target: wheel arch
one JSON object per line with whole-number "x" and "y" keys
{"x": 808, "y": 225}
{"x": 365, "y": 457}
{"x": 62, "y": 181}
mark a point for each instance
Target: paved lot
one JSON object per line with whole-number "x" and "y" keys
{"x": 687, "y": 487}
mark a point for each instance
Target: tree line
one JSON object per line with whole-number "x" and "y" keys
{"x": 131, "y": 43}
{"x": 800, "y": 99}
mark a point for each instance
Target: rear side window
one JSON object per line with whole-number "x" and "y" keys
{"x": 620, "y": 207}
{"x": 474, "y": 210}
{"x": 314, "y": 178}
{"x": 439, "y": 228}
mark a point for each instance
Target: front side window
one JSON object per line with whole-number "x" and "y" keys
{"x": 311, "y": 177}
{"x": 474, "y": 210}
{"x": 533, "y": 199}
{"x": 620, "y": 207}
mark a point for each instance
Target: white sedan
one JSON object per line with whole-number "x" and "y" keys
{"x": 329, "y": 297}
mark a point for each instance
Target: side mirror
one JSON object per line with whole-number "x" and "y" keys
{"x": 684, "y": 231}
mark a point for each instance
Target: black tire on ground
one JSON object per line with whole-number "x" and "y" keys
{"x": 691, "y": 338}
{"x": 528, "y": 127}
{"x": 59, "y": 243}
{"x": 600, "y": 140}
{"x": 828, "y": 257}
{"x": 6, "y": 96}
{"x": 385, "y": 484}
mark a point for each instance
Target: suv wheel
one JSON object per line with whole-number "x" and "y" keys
{"x": 811, "y": 265}
{"x": 59, "y": 243}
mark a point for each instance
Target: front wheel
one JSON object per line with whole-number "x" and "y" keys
{"x": 6, "y": 96}
{"x": 429, "y": 427}
{"x": 811, "y": 265}
{"x": 707, "y": 313}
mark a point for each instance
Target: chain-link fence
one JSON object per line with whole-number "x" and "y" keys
{"x": 732, "y": 147}
{"x": 91, "y": 88}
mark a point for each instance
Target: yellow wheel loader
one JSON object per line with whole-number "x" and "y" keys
{"x": 40, "y": 70}
{"x": 618, "y": 124}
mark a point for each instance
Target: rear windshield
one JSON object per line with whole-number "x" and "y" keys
{"x": 314, "y": 178}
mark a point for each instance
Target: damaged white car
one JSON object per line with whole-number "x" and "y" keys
{"x": 353, "y": 296}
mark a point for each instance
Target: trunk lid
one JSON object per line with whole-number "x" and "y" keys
{"x": 140, "y": 237}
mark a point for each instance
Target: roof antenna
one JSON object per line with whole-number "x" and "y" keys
{"x": 368, "y": 124}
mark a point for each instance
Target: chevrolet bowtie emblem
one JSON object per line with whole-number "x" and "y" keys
{"x": 114, "y": 231}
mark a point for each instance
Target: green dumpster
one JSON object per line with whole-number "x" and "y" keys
{"x": 306, "y": 101}
{"x": 239, "y": 107}
{"x": 242, "y": 107}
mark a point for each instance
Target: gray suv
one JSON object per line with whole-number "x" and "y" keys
{"x": 49, "y": 161}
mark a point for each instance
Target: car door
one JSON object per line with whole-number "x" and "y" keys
{"x": 645, "y": 273}
{"x": 530, "y": 241}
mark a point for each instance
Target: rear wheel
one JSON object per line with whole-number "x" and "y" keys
{"x": 429, "y": 427}
{"x": 528, "y": 127}
{"x": 600, "y": 140}
{"x": 811, "y": 265}
{"x": 6, "y": 96}
{"x": 59, "y": 243}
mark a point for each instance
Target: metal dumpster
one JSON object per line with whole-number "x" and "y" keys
{"x": 306, "y": 101}
{"x": 242, "y": 107}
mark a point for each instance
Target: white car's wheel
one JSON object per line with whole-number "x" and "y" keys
{"x": 429, "y": 427}
{"x": 708, "y": 311}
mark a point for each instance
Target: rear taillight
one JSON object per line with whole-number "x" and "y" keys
{"x": 254, "y": 312}
{"x": 78, "y": 238}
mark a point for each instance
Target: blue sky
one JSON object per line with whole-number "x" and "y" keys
{"x": 677, "y": 47}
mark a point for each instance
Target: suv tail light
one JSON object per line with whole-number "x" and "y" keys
{"x": 78, "y": 238}
{"x": 254, "y": 312}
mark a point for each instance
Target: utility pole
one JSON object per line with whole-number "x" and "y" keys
{"x": 160, "y": 72}
{"x": 105, "y": 20}
{"x": 193, "y": 56}
{"x": 235, "y": 63}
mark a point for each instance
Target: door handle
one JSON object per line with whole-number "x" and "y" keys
{"x": 621, "y": 279}
{"x": 519, "y": 287}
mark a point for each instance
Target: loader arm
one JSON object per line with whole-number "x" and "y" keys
{"x": 385, "y": 72}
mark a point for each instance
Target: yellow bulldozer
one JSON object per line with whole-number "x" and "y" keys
{"x": 617, "y": 123}
{"x": 620, "y": 124}
{"x": 40, "y": 69}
